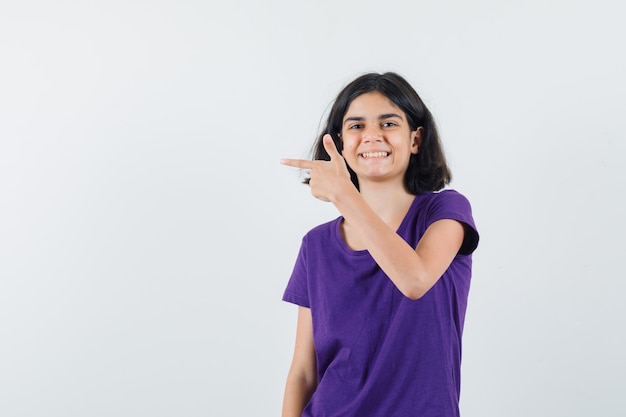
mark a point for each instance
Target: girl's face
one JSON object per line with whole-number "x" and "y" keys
{"x": 377, "y": 139}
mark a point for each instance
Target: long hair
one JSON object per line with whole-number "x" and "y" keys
{"x": 427, "y": 170}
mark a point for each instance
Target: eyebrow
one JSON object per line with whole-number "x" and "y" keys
{"x": 381, "y": 117}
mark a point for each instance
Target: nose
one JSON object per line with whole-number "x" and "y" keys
{"x": 372, "y": 134}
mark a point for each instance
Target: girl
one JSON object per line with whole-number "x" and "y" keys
{"x": 382, "y": 290}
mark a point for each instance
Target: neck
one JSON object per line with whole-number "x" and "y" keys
{"x": 388, "y": 201}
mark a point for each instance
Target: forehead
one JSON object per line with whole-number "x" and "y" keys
{"x": 373, "y": 103}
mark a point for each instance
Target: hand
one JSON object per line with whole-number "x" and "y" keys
{"x": 325, "y": 176}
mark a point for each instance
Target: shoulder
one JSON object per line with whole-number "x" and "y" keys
{"x": 451, "y": 204}
{"x": 446, "y": 200}
{"x": 450, "y": 195}
{"x": 322, "y": 232}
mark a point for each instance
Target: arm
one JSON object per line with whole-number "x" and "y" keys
{"x": 302, "y": 376}
{"x": 413, "y": 270}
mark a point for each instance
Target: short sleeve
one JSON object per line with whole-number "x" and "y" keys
{"x": 296, "y": 291}
{"x": 450, "y": 204}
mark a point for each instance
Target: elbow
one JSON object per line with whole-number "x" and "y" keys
{"x": 417, "y": 288}
{"x": 414, "y": 293}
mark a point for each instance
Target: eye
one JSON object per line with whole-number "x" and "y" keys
{"x": 356, "y": 126}
{"x": 389, "y": 124}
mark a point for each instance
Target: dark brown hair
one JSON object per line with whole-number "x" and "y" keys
{"x": 427, "y": 170}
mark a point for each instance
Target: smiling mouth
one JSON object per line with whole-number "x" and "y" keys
{"x": 374, "y": 154}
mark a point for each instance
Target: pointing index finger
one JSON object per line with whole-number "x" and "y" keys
{"x": 297, "y": 163}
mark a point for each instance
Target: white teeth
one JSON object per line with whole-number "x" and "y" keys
{"x": 375, "y": 154}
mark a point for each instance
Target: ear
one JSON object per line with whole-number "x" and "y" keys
{"x": 416, "y": 140}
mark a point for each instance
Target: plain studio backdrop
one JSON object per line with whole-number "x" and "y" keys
{"x": 147, "y": 229}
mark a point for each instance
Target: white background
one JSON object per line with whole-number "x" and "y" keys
{"x": 147, "y": 229}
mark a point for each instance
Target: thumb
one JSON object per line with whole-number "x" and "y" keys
{"x": 330, "y": 147}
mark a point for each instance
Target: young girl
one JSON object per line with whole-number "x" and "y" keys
{"x": 382, "y": 290}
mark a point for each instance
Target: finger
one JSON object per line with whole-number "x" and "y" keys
{"x": 330, "y": 147}
{"x": 297, "y": 163}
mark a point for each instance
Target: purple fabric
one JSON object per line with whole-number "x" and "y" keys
{"x": 379, "y": 353}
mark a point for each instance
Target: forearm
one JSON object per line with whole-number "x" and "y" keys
{"x": 298, "y": 392}
{"x": 412, "y": 270}
{"x": 393, "y": 254}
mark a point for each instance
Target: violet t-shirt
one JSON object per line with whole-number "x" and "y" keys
{"x": 379, "y": 353}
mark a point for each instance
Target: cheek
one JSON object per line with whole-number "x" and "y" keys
{"x": 348, "y": 144}
{"x": 349, "y": 152}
